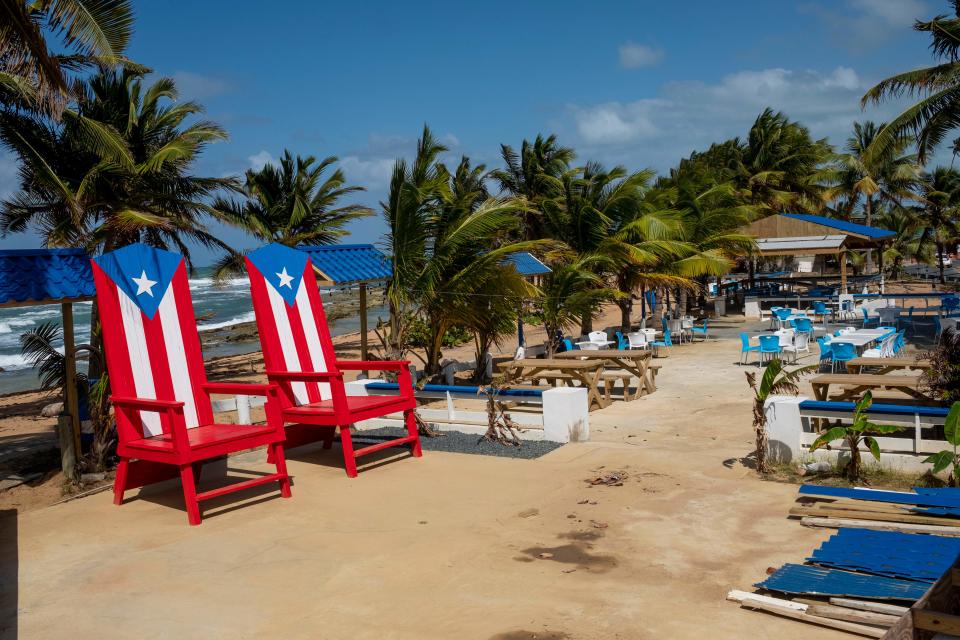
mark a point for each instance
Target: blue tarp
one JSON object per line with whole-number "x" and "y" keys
{"x": 798, "y": 578}
{"x": 850, "y": 227}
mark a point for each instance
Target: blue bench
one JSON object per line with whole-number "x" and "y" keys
{"x": 440, "y": 391}
{"x": 885, "y": 409}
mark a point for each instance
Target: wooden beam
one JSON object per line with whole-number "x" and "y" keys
{"x": 935, "y": 621}
{"x": 70, "y": 378}
{"x": 842, "y": 257}
{"x": 363, "y": 323}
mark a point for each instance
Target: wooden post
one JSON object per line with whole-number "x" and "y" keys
{"x": 70, "y": 402}
{"x": 880, "y": 267}
{"x": 842, "y": 257}
{"x": 363, "y": 322}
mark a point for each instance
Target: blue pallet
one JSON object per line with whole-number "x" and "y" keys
{"x": 888, "y": 553}
{"x": 803, "y": 579}
{"x": 895, "y": 497}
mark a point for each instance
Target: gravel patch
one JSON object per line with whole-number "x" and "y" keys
{"x": 458, "y": 442}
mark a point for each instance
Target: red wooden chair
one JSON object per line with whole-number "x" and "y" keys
{"x": 299, "y": 357}
{"x": 161, "y": 396}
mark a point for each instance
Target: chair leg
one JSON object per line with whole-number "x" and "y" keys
{"x": 349, "y": 460}
{"x": 270, "y": 458}
{"x": 120, "y": 481}
{"x": 281, "y": 461}
{"x": 413, "y": 432}
{"x": 190, "y": 494}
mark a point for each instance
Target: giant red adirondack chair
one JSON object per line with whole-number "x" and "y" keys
{"x": 299, "y": 356}
{"x": 161, "y": 396}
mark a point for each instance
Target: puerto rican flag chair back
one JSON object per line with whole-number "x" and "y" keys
{"x": 291, "y": 322}
{"x": 150, "y": 336}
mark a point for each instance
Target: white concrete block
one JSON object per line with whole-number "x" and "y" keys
{"x": 784, "y": 427}
{"x": 358, "y": 387}
{"x": 566, "y": 415}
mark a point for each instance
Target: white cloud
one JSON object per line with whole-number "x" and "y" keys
{"x": 372, "y": 173}
{"x": 685, "y": 116}
{"x": 861, "y": 25}
{"x": 195, "y": 86}
{"x": 260, "y": 160}
{"x": 634, "y": 55}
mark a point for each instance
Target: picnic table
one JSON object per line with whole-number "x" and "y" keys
{"x": 633, "y": 362}
{"x": 886, "y": 365}
{"x": 587, "y": 372}
{"x": 856, "y": 383}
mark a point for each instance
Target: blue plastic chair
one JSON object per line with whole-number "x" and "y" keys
{"x": 782, "y": 315}
{"x": 699, "y": 331}
{"x": 804, "y": 325}
{"x": 746, "y": 347}
{"x": 820, "y": 310}
{"x": 899, "y": 343}
{"x": 666, "y": 342}
{"x": 568, "y": 345}
{"x": 770, "y": 346}
{"x": 622, "y": 342}
{"x": 826, "y": 353}
{"x": 842, "y": 352}
{"x": 867, "y": 320}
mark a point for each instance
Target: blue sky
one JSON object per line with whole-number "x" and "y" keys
{"x": 638, "y": 83}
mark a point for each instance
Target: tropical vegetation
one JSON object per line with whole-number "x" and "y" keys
{"x": 949, "y": 458}
{"x": 860, "y": 432}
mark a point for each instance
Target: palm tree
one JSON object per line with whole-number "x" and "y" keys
{"x": 781, "y": 167}
{"x": 570, "y": 292}
{"x": 32, "y": 73}
{"x": 292, "y": 204}
{"x": 445, "y": 244}
{"x": 533, "y": 174}
{"x": 117, "y": 171}
{"x": 940, "y": 198}
{"x": 937, "y": 112}
{"x": 876, "y": 178}
{"x": 908, "y": 243}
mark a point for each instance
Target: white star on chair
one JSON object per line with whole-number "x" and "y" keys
{"x": 144, "y": 284}
{"x": 285, "y": 279}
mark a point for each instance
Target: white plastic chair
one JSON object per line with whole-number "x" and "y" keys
{"x": 589, "y": 346}
{"x": 801, "y": 342}
{"x": 637, "y": 340}
{"x": 598, "y": 336}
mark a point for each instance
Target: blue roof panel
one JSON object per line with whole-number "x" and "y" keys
{"x": 527, "y": 264}
{"x": 350, "y": 263}
{"x": 44, "y": 275}
{"x": 798, "y": 578}
{"x": 842, "y": 225}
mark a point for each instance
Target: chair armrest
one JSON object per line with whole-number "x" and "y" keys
{"x": 305, "y": 376}
{"x": 240, "y": 388}
{"x": 376, "y": 365}
{"x": 146, "y": 404}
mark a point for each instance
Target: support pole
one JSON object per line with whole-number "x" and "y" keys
{"x": 363, "y": 323}
{"x": 880, "y": 268}
{"x": 842, "y": 257}
{"x": 70, "y": 378}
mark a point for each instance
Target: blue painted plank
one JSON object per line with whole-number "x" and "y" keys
{"x": 460, "y": 389}
{"x": 895, "y": 497}
{"x": 803, "y": 579}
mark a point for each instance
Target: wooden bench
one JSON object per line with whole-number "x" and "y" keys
{"x": 611, "y": 376}
{"x": 855, "y": 384}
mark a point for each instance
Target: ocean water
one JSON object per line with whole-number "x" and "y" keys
{"x": 214, "y": 307}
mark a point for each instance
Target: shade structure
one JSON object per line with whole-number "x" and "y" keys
{"x": 807, "y": 245}
{"x": 51, "y": 276}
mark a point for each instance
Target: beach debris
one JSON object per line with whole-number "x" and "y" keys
{"x": 612, "y": 479}
{"x": 546, "y": 555}
{"x": 529, "y": 513}
{"x": 597, "y": 524}
{"x": 88, "y": 478}
{"x": 583, "y": 502}
{"x": 52, "y": 410}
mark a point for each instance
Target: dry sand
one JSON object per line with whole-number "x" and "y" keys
{"x": 446, "y": 546}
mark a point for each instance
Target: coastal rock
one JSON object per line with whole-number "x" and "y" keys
{"x": 52, "y": 410}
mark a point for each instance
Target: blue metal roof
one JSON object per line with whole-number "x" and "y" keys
{"x": 44, "y": 275}
{"x": 895, "y": 497}
{"x": 350, "y": 263}
{"x": 908, "y": 556}
{"x": 842, "y": 225}
{"x": 527, "y": 264}
{"x": 798, "y": 578}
